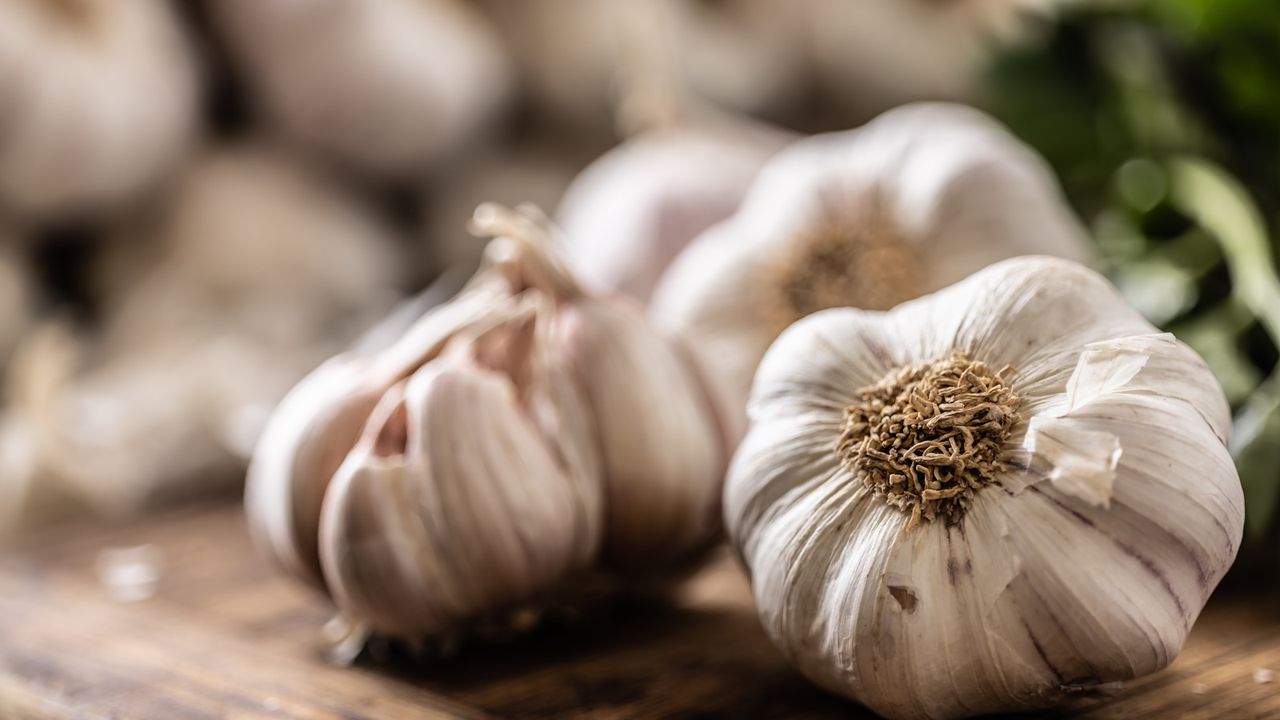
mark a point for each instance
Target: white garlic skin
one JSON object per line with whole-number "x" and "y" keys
{"x": 959, "y": 189}
{"x": 1118, "y": 514}
{"x": 391, "y": 87}
{"x": 630, "y": 213}
{"x": 107, "y": 110}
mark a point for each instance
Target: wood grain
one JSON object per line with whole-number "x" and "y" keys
{"x": 225, "y": 637}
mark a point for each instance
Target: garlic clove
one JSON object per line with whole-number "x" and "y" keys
{"x": 659, "y": 441}
{"x": 308, "y": 437}
{"x": 452, "y": 507}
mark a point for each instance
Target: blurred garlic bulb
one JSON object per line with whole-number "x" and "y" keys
{"x": 516, "y": 440}
{"x": 389, "y": 86}
{"x": 629, "y": 213}
{"x": 100, "y": 100}
{"x": 869, "y": 55}
{"x": 263, "y": 270}
{"x": 913, "y": 201}
{"x": 984, "y": 500}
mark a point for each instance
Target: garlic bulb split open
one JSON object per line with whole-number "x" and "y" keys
{"x": 388, "y": 86}
{"x": 100, "y": 100}
{"x": 631, "y": 212}
{"x": 913, "y": 201}
{"x": 514, "y": 442}
{"x": 984, "y": 499}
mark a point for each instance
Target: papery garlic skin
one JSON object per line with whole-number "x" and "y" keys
{"x": 1117, "y": 511}
{"x": 110, "y": 107}
{"x": 391, "y": 87}
{"x": 920, "y": 197}
{"x": 630, "y": 213}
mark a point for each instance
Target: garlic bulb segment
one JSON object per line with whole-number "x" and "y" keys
{"x": 913, "y": 201}
{"x": 986, "y": 499}
{"x": 453, "y": 508}
{"x": 388, "y": 86}
{"x": 630, "y": 213}
{"x": 109, "y": 109}
{"x": 661, "y": 444}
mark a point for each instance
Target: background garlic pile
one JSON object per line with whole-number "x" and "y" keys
{"x": 961, "y": 484}
{"x": 511, "y": 444}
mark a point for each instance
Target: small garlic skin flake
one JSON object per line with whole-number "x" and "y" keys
{"x": 1078, "y": 558}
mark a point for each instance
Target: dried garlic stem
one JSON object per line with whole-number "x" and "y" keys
{"x": 927, "y": 436}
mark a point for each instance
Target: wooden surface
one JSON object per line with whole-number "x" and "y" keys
{"x": 224, "y": 637}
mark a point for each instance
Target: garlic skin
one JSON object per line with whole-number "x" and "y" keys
{"x": 516, "y": 441}
{"x": 913, "y": 201}
{"x": 630, "y": 213}
{"x": 390, "y": 87}
{"x": 109, "y": 109}
{"x": 1112, "y": 512}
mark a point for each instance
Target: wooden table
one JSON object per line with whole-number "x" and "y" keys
{"x": 224, "y": 637}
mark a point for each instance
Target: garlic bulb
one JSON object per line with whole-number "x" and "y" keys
{"x": 985, "y": 499}
{"x": 389, "y": 86}
{"x": 109, "y": 107}
{"x": 868, "y": 55}
{"x": 516, "y": 440}
{"x": 915, "y": 200}
{"x": 631, "y": 212}
{"x": 261, "y": 270}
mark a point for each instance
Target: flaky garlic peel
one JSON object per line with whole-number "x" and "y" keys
{"x": 518, "y": 442}
{"x": 986, "y": 499}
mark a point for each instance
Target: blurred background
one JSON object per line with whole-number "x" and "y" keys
{"x": 200, "y": 201}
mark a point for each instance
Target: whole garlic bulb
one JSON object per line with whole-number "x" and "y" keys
{"x": 985, "y": 499}
{"x": 389, "y": 86}
{"x": 517, "y": 439}
{"x": 630, "y": 213}
{"x": 913, "y": 201}
{"x": 100, "y": 100}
